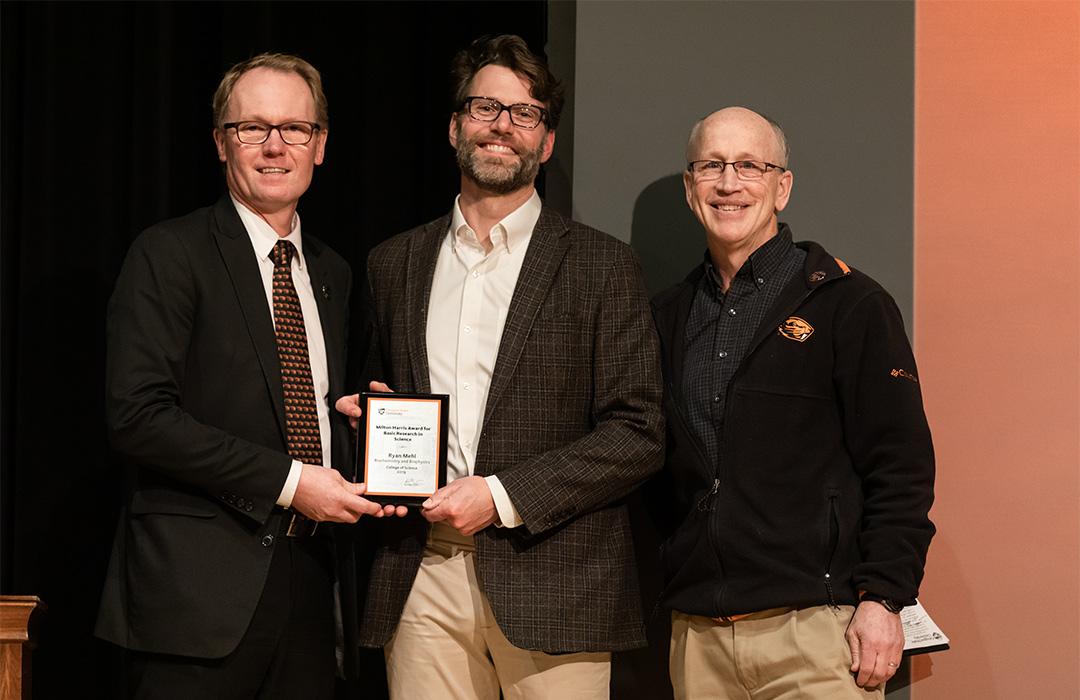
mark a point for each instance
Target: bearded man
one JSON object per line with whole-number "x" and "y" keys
{"x": 517, "y": 576}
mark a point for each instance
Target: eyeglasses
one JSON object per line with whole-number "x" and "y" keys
{"x": 292, "y": 133}
{"x": 488, "y": 109}
{"x": 707, "y": 170}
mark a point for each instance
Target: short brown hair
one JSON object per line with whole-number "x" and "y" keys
{"x": 283, "y": 62}
{"x": 509, "y": 51}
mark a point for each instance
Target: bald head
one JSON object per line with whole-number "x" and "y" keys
{"x": 768, "y": 132}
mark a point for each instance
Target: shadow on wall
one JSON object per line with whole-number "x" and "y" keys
{"x": 667, "y": 238}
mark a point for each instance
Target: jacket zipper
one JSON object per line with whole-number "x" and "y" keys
{"x": 702, "y": 504}
{"x": 714, "y": 542}
{"x": 834, "y": 540}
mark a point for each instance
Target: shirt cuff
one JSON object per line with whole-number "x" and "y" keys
{"x": 508, "y": 515}
{"x": 291, "y": 482}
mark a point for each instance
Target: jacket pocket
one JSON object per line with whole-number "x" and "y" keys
{"x": 165, "y": 502}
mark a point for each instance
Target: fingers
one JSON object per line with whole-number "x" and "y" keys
{"x": 435, "y": 513}
{"x": 324, "y": 495}
{"x": 379, "y": 386}
{"x": 872, "y": 667}
{"x": 876, "y": 673}
{"x": 399, "y": 511}
{"x": 856, "y": 654}
{"x": 349, "y": 405}
{"x": 866, "y": 671}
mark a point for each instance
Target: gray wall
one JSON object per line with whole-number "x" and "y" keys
{"x": 838, "y": 76}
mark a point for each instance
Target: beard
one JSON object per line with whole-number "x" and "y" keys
{"x": 493, "y": 175}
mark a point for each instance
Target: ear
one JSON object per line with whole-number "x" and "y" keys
{"x": 688, "y": 186}
{"x": 219, "y": 144}
{"x": 783, "y": 190}
{"x": 320, "y": 145}
{"x": 549, "y": 146}
{"x": 453, "y": 130}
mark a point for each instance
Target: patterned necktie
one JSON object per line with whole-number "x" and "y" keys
{"x": 301, "y": 416}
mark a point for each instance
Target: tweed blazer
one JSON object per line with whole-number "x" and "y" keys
{"x": 572, "y": 424}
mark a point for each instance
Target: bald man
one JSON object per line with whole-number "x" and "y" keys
{"x": 798, "y": 453}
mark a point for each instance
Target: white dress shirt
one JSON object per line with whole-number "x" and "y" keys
{"x": 263, "y": 239}
{"x": 470, "y": 296}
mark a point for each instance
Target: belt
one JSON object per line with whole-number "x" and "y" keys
{"x": 760, "y": 615}
{"x": 442, "y": 536}
{"x": 301, "y": 526}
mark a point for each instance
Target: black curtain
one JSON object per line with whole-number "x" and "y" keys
{"x": 106, "y": 129}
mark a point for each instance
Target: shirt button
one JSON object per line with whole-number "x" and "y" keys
{"x": 722, "y": 354}
{"x": 468, "y": 443}
{"x": 466, "y": 386}
{"x": 716, "y": 399}
{"x": 761, "y": 280}
{"x": 731, "y": 312}
{"x": 468, "y": 329}
{"x": 267, "y": 541}
{"x": 475, "y": 273}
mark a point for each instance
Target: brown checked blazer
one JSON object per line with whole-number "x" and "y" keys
{"x": 572, "y": 424}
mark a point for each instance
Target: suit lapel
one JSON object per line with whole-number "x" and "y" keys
{"x": 323, "y": 290}
{"x": 542, "y": 259}
{"x": 235, "y": 247}
{"x": 419, "y": 272}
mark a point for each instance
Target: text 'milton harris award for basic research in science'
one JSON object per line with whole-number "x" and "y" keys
{"x": 401, "y": 446}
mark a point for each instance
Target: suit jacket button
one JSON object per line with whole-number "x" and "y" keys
{"x": 267, "y": 540}
{"x": 249, "y": 506}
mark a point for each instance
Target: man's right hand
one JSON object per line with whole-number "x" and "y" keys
{"x": 350, "y": 406}
{"x": 323, "y": 495}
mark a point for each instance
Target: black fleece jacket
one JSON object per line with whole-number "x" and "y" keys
{"x": 826, "y": 477}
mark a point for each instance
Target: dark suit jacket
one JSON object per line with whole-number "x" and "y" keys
{"x": 572, "y": 424}
{"x": 195, "y": 407}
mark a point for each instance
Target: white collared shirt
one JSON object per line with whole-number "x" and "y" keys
{"x": 470, "y": 297}
{"x": 263, "y": 239}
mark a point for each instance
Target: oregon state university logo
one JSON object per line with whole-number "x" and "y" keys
{"x": 796, "y": 328}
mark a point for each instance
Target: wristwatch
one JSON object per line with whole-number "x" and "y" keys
{"x": 889, "y": 604}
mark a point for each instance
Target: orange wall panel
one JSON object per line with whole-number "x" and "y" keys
{"x": 997, "y": 332}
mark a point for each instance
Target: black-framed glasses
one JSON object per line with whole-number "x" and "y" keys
{"x": 707, "y": 170}
{"x": 488, "y": 109}
{"x": 292, "y": 133}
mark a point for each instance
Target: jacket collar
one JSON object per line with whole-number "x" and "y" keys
{"x": 672, "y": 307}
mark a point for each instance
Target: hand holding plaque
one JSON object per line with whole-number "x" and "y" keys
{"x": 401, "y": 446}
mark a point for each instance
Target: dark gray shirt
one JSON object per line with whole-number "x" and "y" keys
{"x": 720, "y": 327}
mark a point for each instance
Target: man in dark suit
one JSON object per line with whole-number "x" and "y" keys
{"x": 519, "y": 574}
{"x": 226, "y": 336}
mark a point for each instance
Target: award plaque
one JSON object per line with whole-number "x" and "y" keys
{"x": 401, "y": 446}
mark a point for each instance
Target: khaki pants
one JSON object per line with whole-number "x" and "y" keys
{"x": 448, "y": 644}
{"x": 780, "y": 653}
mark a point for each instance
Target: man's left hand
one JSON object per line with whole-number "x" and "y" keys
{"x": 464, "y": 504}
{"x": 876, "y": 638}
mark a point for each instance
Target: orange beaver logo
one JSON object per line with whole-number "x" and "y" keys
{"x": 796, "y": 328}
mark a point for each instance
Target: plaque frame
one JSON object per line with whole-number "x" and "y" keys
{"x": 363, "y": 437}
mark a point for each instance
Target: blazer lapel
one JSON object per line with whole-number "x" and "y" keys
{"x": 235, "y": 247}
{"x": 542, "y": 259}
{"x": 323, "y": 291}
{"x": 419, "y": 272}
